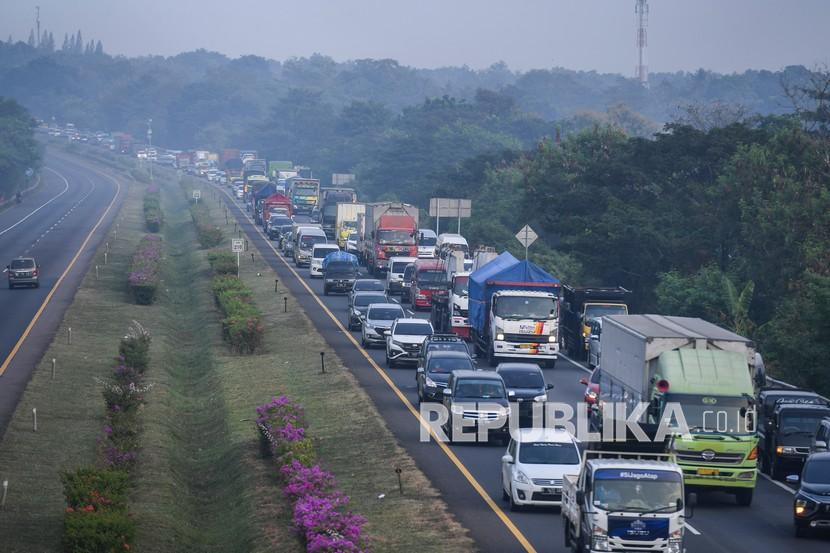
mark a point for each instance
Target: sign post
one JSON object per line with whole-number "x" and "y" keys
{"x": 527, "y": 237}
{"x": 237, "y": 245}
{"x": 449, "y": 207}
{"x": 196, "y": 195}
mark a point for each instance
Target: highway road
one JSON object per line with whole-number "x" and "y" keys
{"x": 60, "y": 224}
{"x": 468, "y": 475}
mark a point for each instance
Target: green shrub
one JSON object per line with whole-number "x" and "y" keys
{"x": 222, "y": 262}
{"x": 242, "y": 326}
{"x": 101, "y": 488}
{"x": 152, "y": 209}
{"x": 209, "y": 234}
{"x": 98, "y": 532}
{"x": 296, "y": 450}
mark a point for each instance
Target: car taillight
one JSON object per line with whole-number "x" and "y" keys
{"x": 752, "y": 454}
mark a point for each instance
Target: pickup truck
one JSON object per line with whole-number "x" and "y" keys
{"x": 625, "y": 502}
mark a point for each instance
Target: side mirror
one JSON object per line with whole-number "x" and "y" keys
{"x": 548, "y": 386}
{"x": 593, "y": 337}
{"x": 792, "y": 479}
{"x": 507, "y": 459}
{"x": 580, "y": 497}
{"x": 420, "y": 370}
{"x": 511, "y": 393}
{"x": 447, "y": 392}
{"x": 819, "y": 446}
{"x": 691, "y": 503}
{"x": 583, "y": 381}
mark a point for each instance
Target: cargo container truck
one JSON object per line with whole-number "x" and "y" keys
{"x": 329, "y": 198}
{"x": 390, "y": 230}
{"x": 699, "y": 369}
{"x": 304, "y": 194}
{"x": 514, "y": 311}
{"x": 346, "y": 221}
{"x": 580, "y": 306}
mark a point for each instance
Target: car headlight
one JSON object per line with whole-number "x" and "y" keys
{"x": 457, "y": 409}
{"x": 551, "y": 339}
{"x": 430, "y": 383}
{"x": 541, "y": 398}
{"x": 803, "y": 506}
{"x": 499, "y": 336}
{"x": 456, "y": 307}
{"x": 599, "y": 540}
{"x": 397, "y": 344}
{"x": 785, "y": 450}
{"x": 522, "y": 478}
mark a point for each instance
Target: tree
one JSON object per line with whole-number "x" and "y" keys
{"x": 99, "y": 49}
{"x": 79, "y": 43}
{"x": 50, "y": 43}
{"x": 66, "y": 45}
{"x": 19, "y": 150}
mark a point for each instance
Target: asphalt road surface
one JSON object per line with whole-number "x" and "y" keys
{"x": 718, "y": 525}
{"x": 54, "y": 224}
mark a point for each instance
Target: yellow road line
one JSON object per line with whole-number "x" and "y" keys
{"x": 51, "y": 293}
{"x": 520, "y": 537}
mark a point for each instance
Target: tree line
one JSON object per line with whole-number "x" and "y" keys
{"x": 19, "y": 151}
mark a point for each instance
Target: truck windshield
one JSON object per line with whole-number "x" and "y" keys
{"x": 399, "y": 266}
{"x": 427, "y": 241}
{"x": 801, "y": 423}
{"x": 596, "y": 311}
{"x": 459, "y": 287}
{"x": 305, "y": 191}
{"x": 431, "y": 277}
{"x": 395, "y": 237}
{"x": 548, "y": 453}
{"x": 715, "y": 414}
{"x": 517, "y": 307}
{"x": 637, "y": 490}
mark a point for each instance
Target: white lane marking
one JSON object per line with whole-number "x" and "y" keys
{"x": 578, "y": 364}
{"x": 65, "y": 188}
{"x": 692, "y": 529}
{"x": 777, "y": 483}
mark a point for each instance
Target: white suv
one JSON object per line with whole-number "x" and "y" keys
{"x": 405, "y": 339}
{"x": 536, "y": 461}
{"x": 318, "y": 254}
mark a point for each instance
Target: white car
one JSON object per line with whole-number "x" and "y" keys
{"x": 405, "y": 340}
{"x": 536, "y": 461}
{"x": 318, "y": 253}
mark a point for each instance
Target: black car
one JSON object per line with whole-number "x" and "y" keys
{"x": 339, "y": 276}
{"x": 444, "y": 342}
{"x": 527, "y": 382}
{"x": 476, "y": 397}
{"x": 359, "y": 303}
{"x": 433, "y": 374}
{"x": 407, "y": 282}
{"x": 788, "y": 421}
{"x": 277, "y": 225}
{"x": 811, "y": 505}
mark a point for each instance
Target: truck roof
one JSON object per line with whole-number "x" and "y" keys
{"x": 593, "y": 294}
{"x": 633, "y": 464}
{"x": 699, "y": 371}
{"x": 428, "y": 265}
{"x": 662, "y": 326}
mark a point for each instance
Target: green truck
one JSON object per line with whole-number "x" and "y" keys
{"x": 701, "y": 378}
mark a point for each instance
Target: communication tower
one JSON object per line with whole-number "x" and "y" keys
{"x": 641, "y": 18}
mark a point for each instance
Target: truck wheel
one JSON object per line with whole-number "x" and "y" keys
{"x": 743, "y": 497}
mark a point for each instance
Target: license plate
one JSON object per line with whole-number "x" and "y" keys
{"x": 708, "y": 472}
{"x": 527, "y": 346}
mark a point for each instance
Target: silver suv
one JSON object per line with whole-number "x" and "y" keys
{"x": 23, "y": 271}
{"x": 378, "y": 321}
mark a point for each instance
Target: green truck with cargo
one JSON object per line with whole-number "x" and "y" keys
{"x": 687, "y": 370}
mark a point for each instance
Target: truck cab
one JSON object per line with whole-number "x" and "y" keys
{"x": 580, "y": 306}
{"x": 629, "y": 503}
{"x": 428, "y": 279}
{"x": 788, "y": 423}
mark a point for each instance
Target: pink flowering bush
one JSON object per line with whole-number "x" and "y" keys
{"x": 320, "y": 513}
{"x": 143, "y": 279}
{"x": 152, "y": 209}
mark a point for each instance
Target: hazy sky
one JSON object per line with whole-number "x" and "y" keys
{"x": 722, "y": 35}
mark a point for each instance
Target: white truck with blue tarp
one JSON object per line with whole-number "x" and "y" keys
{"x": 514, "y": 311}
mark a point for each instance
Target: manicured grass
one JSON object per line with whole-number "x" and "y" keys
{"x": 70, "y": 409}
{"x": 349, "y": 433}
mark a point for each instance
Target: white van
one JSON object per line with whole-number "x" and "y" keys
{"x": 318, "y": 253}
{"x": 394, "y": 276}
{"x": 305, "y": 239}
{"x": 448, "y": 242}
{"x": 426, "y": 243}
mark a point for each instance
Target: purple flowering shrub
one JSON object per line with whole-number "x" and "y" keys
{"x": 320, "y": 512}
{"x": 143, "y": 279}
{"x": 152, "y": 209}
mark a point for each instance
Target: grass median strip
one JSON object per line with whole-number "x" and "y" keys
{"x": 349, "y": 433}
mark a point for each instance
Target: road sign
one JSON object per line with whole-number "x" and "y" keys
{"x": 527, "y": 237}
{"x": 449, "y": 207}
{"x": 237, "y": 245}
{"x": 197, "y": 194}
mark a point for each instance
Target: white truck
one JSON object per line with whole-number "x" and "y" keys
{"x": 625, "y": 502}
{"x": 347, "y": 221}
{"x": 450, "y": 311}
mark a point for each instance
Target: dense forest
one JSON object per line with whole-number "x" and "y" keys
{"x": 19, "y": 151}
{"x": 708, "y": 195}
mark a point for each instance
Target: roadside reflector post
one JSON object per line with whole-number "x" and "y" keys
{"x": 398, "y": 471}
{"x": 105, "y": 258}
{"x": 234, "y": 227}
{"x": 246, "y": 249}
{"x": 323, "y": 362}
{"x": 239, "y": 233}
{"x": 53, "y": 368}
{"x": 226, "y": 217}
{"x": 285, "y": 304}
{"x": 69, "y": 335}
{"x": 108, "y": 246}
{"x": 34, "y": 419}
{"x": 96, "y": 272}
{"x": 276, "y": 286}
{"x": 252, "y": 254}
{"x": 5, "y": 491}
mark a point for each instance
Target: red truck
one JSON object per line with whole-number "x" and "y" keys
{"x": 274, "y": 200}
{"x": 390, "y": 230}
{"x": 428, "y": 279}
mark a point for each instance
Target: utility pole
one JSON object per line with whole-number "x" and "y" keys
{"x": 37, "y": 23}
{"x": 641, "y": 19}
{"x": 150, "y": 146}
